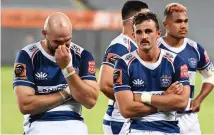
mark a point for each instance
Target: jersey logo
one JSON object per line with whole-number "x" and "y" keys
{"x": 41, "y": 76}
{"x": 138, "y": 83}
{"x": 117, "y": 77}
{"x": 192, "y": 62}
{"x": 20, "y": 70}
{"x": 32, "y": 48}
{"x": 165, "y": 80}
{"x": 169, "y": 55}
{"x": 112, "y": 58}
{"x": 76, "y": 49}
{"x": 91, "y": 67}
{"x": 184, "y": 71}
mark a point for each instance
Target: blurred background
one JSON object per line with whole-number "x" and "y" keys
{"x": 96, "y": 23}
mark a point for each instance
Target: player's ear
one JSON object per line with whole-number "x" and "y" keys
{"x": 159, "y": 33}
{"x": 44, "y": 33}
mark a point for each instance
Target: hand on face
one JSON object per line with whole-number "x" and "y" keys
{"x": 63, "y": 56}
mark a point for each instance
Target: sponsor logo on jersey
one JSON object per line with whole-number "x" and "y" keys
{"x": 112, "y": 58}
{"x": 184, "y": 71}
{"x": 32, "y": 48}
{"x": 117, "y": 77}
{"x": 52, "y": 89}
{"x": 41, "y": 76}
{"x": 91, "y": 67}
{"x": 76, "y": 49}
{"x": 192, "y": 62}
{"x": 128, "y": 57}
{"x": 165, "y": 80}
{"x": 169, "y": 55}
{"x": 138, "y": 83}
{"x": 20, "y": 70}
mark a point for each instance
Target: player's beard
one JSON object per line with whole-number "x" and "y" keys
{"x": 50, "y": 48}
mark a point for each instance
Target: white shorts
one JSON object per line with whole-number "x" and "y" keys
{"x": 189, "y": 124}
{"x": 139, "y": 132}
{"x": 57, "y": 127}
{"x": 119, "y": 128}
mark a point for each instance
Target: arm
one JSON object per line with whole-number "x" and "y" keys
{"x": 130, "y": 108}
{"x": 29, "y": 103}
{"x": 171, "y": 102}
{"x": 83, "y": 91}
{"x": 112, "y": 54}
{"x": 106, "y": 82}
{"x": 206, "y": 69}
{"x": 207, "y": 86}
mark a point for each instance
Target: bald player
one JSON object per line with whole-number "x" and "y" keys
{"x": 53, "y": 78}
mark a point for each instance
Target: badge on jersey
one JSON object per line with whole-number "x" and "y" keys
{"x": 91, "y": 67}
{"x": 20, "y": 70}
{"x": 184, "y": 71}
{"x": 112, "y": 58}
{"x": 117, "y": 77}
{"x": 192, "y": 62}
{"x": 165, "y": 80}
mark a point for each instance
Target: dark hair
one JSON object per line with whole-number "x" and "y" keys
{"x": 141, "y": 17}
{"x": 131, "y": 7}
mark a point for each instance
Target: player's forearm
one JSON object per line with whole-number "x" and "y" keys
{"x": 41, "y": 103}
{"x": 82, "y": 92}
{"x": 136, "y": 109}
{"x": 169, "y": 102}
{"x": 205, "y": 90}
{"x": 108, "y": 91}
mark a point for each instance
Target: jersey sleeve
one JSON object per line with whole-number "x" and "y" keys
{"x": 204, "y": 61}
{"x": 181, "y": 71}
{"x": 121, "y": 77}
{"x": 87, "y": 66}
{"x": 23, "y": 70}
{"x": 113, "y": 53}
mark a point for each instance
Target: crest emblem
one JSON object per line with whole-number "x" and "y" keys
{"x": 165, "y": 80}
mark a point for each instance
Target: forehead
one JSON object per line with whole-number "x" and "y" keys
{"x": 60, "y": 34}
{"x": 179, "y": 15}
{"x": 148, "y": 24}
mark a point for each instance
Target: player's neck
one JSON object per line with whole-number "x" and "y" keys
{"x": 128, "y": 32}
{"x": 172, "y": 41}
{"x": 151, "y": 56}
{"x": 45, "y": 47}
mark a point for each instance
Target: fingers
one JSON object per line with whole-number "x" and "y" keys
{"x": 178, "y": 89}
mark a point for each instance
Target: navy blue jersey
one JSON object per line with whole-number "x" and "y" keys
{"x": 36, "y": 69}
{"x": 134, "y": 74}
{"x": 119, "y": 46}
{"x": 195, "y": 56}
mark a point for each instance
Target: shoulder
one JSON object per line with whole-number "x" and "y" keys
{"x": 121, "y": 40}
{"x": 78, "y": 50}
{"x": 127, "y": 58}
{"x": 31, "y": 49}
{"x": 169, "y": 55}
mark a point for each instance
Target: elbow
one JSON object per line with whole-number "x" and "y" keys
{"x": 126, "y": 113}
{"x": 26, "y": 110}
{"x": 91, "y": 103}
{"x": 183, "y": 104}
{"x": 103, "y": 88}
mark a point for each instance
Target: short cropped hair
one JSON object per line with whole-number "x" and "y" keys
{"x": 141, "y": 17}
{"x": 131, "y": 7}
{"x": 174, "y": 7}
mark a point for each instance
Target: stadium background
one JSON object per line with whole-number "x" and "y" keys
{"x": 96, "y": 23}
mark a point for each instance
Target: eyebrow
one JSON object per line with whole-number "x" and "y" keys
{"x": 62, "y": 40}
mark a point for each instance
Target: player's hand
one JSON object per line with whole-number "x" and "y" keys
{"x": 62, "y": 56}
{"x": 175, "y": 88}
{"x": 137, "y": 97}
{"x": 195, "y": 105}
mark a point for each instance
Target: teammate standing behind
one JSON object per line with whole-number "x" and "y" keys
{"x": 113, "y": 121}
{"x": 143, "y": 78}
{"x": 53, "y": 78}
{"x": 176, "y": 24}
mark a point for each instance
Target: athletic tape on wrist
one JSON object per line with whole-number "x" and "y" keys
{"x": 146, "y": 98}
{"x": 63, "y": 96}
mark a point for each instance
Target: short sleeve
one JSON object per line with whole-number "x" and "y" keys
{"x": 23, "y": 70}
{"x": 181, "y": 71}
{"x": 113, "y": 53}
{"x": 87, "y": 66}
{"x": 204, "y": 58}
{"x": 121, "y": 77}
